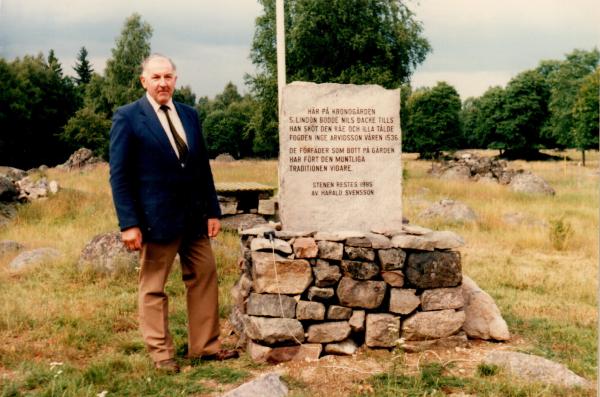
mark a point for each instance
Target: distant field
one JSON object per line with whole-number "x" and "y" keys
{"x": 87, "y": 323}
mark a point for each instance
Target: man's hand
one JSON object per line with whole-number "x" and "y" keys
{"x": 214, "y": 226}
{"x": 132, "y": 238}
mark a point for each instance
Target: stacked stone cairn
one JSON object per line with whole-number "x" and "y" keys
{"x": 303, "y": 295}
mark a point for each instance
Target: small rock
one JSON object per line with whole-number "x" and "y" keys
{"x": 241, "y": 289}
{"x": 335, "y": 312}
{"x": 483, "y": 318}
{"x": 326, "y": 275}
{"x": 266, "y": 385}
{"x": 344, "y": 348}
{"x": 267, "y": 207}
{"x": 535, "y": 369}
{"x": 263, "y": 244}
{"x": 383, "y": 330}
{"x": 306, "y": 310}
{"x": 378, "y": 241}
{"x": 435, "y": 269}
{"x": 391, "y": 259}
{"x": 432, "y": 325}
{"x": 449, "y": 342}
{"x": 81, "y": 158}
{"x": 34, "y": 257}
{"x": 305, "y": 247}
{"x": 285, "y": 276}
{"x": 404, "y": 301}
{"x": 443, "y": 240}
{"x": 274, "y": 330}
{"x": 362, "y": 242}
{"x": 394, "y": 278}
{"x": 271, "y": 305}
{"x": 416, "y": 230}
{"x": 460, "y": 172}
{"x": 274, "y": 355}
{"x": 357, "y": 321}
{"x": 360, "y": 253}
{"x": 330, "y": 250}
{"x": 360, "y": 270}
{"x": 53, "y": 187}
{"x": 364, "y": 294}
{"x": 105, "y": 253}
{"x": 442, "y": 298}
{"x": 527, "y": 182}
{"x": 409, "y": 241}
{"x": 328, "y": 332}
{"x": 450, "y": 211}
{"x": 317, "y": 293}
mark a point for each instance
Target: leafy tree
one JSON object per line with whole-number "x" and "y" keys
{"x": 564, "y": 79}
{"x": 341, "y": 41}
{"x": 481, "y": 118}
{"x": 524, "y": 113}
{"x": 433, "y": 123}
{"x": 229, "y": 95}
{"x": 586, "y": 114}
{"x": 185, "y": 95}
{"x": 54, "y": 64}
{"x": 35, "y": 102}
{"x": 123, "y": 70}
{"x": 83, "y": 68}
{"x": 88, "y": 129}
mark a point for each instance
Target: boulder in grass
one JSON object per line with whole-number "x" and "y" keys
{"x": 526, "y": 182}
{"x": 105, "y": 253}
{"x": 34, "y": 257}
{"x": 450, "y": 211}
{"x": 483, "y": 318}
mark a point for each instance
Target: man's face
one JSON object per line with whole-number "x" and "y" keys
{"x": 159, "y": 78}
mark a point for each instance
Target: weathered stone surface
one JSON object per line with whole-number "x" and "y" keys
{"x": 8, "y": 190}
{"x": 32, "y": 189}
{"x": 460, "y": 172}
{"x": 274, "y": 355}
{"x": 34, "y": 257}
{"x": 7, "y": 212}
{"x": 335, "y": 312}
{"x": 404, "y": 301}
{"x": 12, "y": 173}
{"x": 271, "y": 305}
{"x": 8, "y": 246}
{"x": 360, "y": 253}
{"x": 535, "y": 369}
{"x": 435, "y": 269}
{"x": 357, "y": 321}
{"x": 81, "y": 158}
{"x": 363, "y": 242}
{"x": 265, "y": 385}
{"x": 445, "y": 240}
{"x": 410, "y": 241}
{"x": 306, "y": 310}
{"x": 305, "y": 247}
{"x": 391, "y": 259}
{"x": 339, "y": 235}
{"x": 527, "y": 182}
{"x": 378, "y": 241}
{"x": 416, "y": 230}
{"x": 432, "y": 325}
{"x": 105, "y": 253}
{"x": 289, "y": 234}
{"x": 365, "y": 294}
{"x": 449, "y": 342}
{"x": 344, "y": 348}
{"x": 286, "y": 276}
{"x": 451, "y": 211}
{"x": 383, "y": 330}
{"x": 238, "y": 222}
{"x": 360, "y": 270}
{"x": 241, "y": 289}
{"x": 328, "y": 332}
{"x": 318, "y": 293}
{"x": 483, "y": 318}
{"x": 225, "y": 158}
{"x": 263, "y": 244}
{"x": 442, "y": 298}
{"x": 394, "y": 278}
{"x": 258, "y": 231}
{"x": 326, "y": 275}
{"x": 330, "y": 250}
{"x": 274, "y": 330}
{"x": 266, "y": 207}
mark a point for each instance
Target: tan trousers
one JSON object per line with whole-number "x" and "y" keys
{"x": 199, "y": 275}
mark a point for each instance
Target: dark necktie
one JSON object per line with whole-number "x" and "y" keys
{"x": 182, "y": 148}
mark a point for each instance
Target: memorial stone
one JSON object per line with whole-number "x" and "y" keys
{"x": 340, "y": 157}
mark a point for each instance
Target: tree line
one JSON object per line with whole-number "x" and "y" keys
{"x": 46, "y": 115}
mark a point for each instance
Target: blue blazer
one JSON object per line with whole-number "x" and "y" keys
{"x": 150, "y": 187}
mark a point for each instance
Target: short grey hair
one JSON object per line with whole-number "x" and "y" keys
{"x": 157, "y": 56}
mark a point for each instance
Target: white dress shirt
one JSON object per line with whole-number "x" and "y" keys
{"x": 162, "y": 117}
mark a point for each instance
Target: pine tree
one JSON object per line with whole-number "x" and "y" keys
{"x": 83, "y": 68}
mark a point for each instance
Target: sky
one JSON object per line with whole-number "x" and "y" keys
{"x": 476, "y": 43}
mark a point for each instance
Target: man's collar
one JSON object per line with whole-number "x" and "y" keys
{"x": 156, "y": 106}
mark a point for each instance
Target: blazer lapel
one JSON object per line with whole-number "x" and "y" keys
{"x": 150, "y": 119}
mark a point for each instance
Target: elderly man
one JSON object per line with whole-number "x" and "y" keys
{"x": 166, "y": 203}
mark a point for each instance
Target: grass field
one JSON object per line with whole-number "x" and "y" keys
{"x": 67, "y": 333}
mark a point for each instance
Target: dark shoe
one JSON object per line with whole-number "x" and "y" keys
{"x": 221, "y": 355}
{"x": 168, "y": 366}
